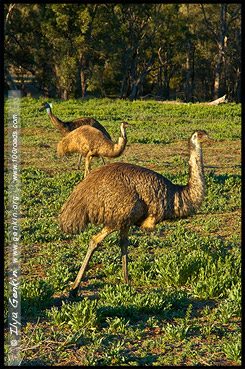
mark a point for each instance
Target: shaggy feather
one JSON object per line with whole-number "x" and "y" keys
{"x": 90, "y": 142}
{"x": 120, "y": 195}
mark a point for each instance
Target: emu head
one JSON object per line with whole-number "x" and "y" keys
{"x": 123, "y": 126}
{"x": 198, "y": 137}
{"x": 45, "y": 106}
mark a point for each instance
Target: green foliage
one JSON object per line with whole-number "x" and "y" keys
{"x": 117, "y": 325}
{"x": 35, "y": 295}
{"x": 127, "y": 50}
{"x": 217, "y": 276}
{"x": 42, "y": 199}
{"x": 114, "y": 355}
{"x": 122, "y": 301}
{"x": 208, "y": 274}
{"x": 183, "y": 305}
{"x": 231, "y": 306}
{"x": 233, "y": 350}
{"x": 78, "y": 316}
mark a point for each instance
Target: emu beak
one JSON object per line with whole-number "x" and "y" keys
{"x": 209, "y": 139}
{"x": 131, "y": 126}
{"x": 42, "y": 107}
{"x": 126, "y": 124}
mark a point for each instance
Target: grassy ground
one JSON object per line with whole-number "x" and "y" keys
{"x": 183, "y": 305}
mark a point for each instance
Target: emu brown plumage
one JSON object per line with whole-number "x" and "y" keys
{"x": 66, "y": 127}
{"x": 90, "y": 142}
{"x": 120, "y": 195}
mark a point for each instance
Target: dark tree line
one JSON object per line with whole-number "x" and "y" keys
{"x": 186, "y": 51}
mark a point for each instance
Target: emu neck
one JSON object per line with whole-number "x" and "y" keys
{"x": 57, "y": 123}
{"x": 196, "y": 183}
{"x": 123, "y": 132}
{"x": 188, "y": 198}
{"x": 120, "y": 146}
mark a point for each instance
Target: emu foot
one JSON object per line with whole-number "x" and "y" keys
{"x": 73, "y": 292}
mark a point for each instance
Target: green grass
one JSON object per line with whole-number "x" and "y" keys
{"x": 183, "y": 305}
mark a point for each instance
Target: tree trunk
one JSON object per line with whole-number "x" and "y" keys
{"x": 83, "y": 83}
{"x": 188, "y": 72}
{"x": 159, "y": 82}
{"x": 123, "y": 86}
{"x": 65, "y": 94}
{"x": 221, "y": 41}
{"x": 222, "y": 46}
{"x": 10, "y": 9}
{"x": 133, "y": 95}
{"x": 238, "y": 93}
{"x": 193, "y": 75}
{"x": 137, "y": 81}
{"x": 166, "y": 83}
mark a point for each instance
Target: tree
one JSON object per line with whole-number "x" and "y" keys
{"x": 171, "y": 51}
{"x": 219, "y": 33}
{"x": 128, "y": 50}
{"x": 85, "y": 45}
{"x": 17, "y": 56}
{"x": 59, "y": 29}
{"x": 8, "y": 76}
{"x": 138, "y": 28}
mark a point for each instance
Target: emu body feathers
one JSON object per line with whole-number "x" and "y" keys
{"x": 120, "y": 195}
{"x": 90, "y": 142}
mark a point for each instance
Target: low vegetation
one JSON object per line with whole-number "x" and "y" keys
{"x": 183, "y": 305}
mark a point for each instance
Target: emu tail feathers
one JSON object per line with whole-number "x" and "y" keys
{"x": 73, "y": 217}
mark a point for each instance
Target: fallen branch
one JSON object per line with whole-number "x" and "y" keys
{"x": 221, "y": 100}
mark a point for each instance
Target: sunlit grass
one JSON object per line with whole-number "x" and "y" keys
{"x": 183, "y": 305}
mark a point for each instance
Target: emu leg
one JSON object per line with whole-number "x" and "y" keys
{"x": 103, "y": 160}
{"x": 124, "y": 247}
{"x": 87, "y": 164}
{"x": 79, "y": 161}
{"x": 98, "y": 238}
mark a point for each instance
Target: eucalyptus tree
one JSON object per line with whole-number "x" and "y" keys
{"x": 64, "y": 27}
{"x": 170, "y": 51}
{"x": 21, "y": 39}
{"x": 191, "y": 51}
{"x": 77, "y": 34}
{"x": 138, "y": 26}
{"x": 218, "y": 19}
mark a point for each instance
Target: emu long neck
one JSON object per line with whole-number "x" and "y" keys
{"x": 119, "y": 147}
{"x": 190, "y": 197}
{"x": 196, "y": 182}
{"x": 57, "y": 123}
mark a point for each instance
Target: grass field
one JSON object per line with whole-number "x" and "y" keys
{"x": 183, "y": 305}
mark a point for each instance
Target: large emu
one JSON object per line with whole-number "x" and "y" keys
{"x": 120, "y": 195}
{"x": 90, "y": 142}
{"x": 65, "y": 127}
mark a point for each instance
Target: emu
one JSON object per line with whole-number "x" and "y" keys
{"x": 90, "y": 142}
{"x": 65, "y": 127}
{"x": 119, "y": 195}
